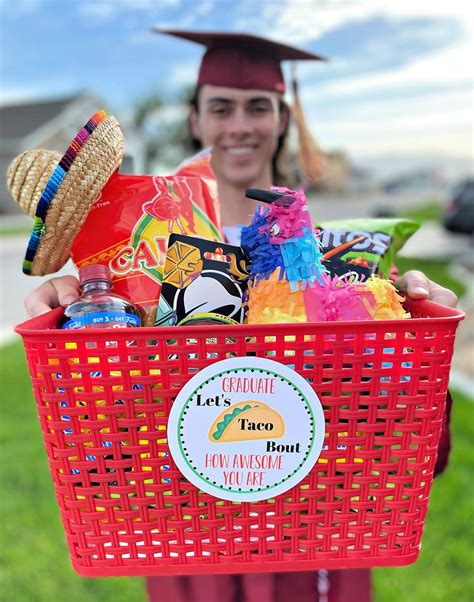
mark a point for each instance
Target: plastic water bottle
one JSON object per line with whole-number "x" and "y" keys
{"x": 98, "y": 307}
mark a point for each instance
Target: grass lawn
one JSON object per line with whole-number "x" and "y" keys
{"x": 436, "y": 270}
{"x": 430, "y": 211}
{"x": 35, "y": 560}
{"x": 33, "y": 553}
{"x": 443, "y": 572}
{"x": 10, "y": 231}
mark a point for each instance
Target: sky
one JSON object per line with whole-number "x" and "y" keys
{"x": 398, "y": 83}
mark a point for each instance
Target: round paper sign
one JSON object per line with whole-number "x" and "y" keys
{"x": 246, "y": 429}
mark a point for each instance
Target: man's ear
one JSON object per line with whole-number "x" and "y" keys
{"x": 284, "y": 119}
{"x": 194, "y": 126}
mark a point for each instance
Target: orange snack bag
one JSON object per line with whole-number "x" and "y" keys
{"x": 129, "y": 224}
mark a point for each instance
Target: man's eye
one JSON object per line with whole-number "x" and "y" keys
{"x": 259, "y": 109}
{"x": 219, "y": 111}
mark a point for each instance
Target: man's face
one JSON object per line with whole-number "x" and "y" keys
{"x": 243, "y": 127}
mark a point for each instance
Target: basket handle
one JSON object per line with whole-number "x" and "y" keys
{"x": 46, "y": 321}
{"x": 423, "y": 307}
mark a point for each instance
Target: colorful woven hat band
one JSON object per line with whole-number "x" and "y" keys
{"x": 98, "y": 160}
{"x": 59, "y": 191}
{"x": 53, "y": 185}
{"x": 27, "y": 176}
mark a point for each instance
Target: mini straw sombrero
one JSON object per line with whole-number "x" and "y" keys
{"x": 58, "y": 192}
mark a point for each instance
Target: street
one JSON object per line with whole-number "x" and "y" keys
{"x": 15, "y": 284}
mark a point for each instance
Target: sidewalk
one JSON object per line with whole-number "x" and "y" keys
{"x": 14, "y": 285}
{"x": 462, "y": 372}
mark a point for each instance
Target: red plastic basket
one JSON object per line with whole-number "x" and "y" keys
{"x": 104, "y": 397}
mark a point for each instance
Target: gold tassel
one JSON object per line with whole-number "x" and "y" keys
{"x": 312, "y": 160}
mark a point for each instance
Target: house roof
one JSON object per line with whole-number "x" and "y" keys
{"x": 19, "y": 120}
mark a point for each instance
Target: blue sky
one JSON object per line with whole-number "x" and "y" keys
{"x": 399, "y": 81}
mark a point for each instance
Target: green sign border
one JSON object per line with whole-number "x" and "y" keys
{"x": 236, "y": 371}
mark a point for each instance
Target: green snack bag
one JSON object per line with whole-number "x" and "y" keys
{"x": 362, "y": 247}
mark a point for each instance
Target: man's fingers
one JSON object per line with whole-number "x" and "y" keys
{"x": 51, "y": 294}
{"x": 417, "y": 286}
{"x": 441, "y": 295}
{"x": 67, "y": 289}
{"x": 41, "y": 300}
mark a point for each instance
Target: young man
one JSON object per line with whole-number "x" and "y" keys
{"x": 239, "y": 111}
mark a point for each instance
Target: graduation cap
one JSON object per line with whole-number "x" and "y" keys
{"x": 239, "y": 60}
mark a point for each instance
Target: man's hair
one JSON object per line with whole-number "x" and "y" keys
{"x": 280, "y": 173}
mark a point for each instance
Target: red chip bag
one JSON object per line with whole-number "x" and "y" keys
{"x": 129, "y": 224}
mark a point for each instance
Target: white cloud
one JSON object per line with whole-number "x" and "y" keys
{"x": 440, "y": 122}
{"x": 366, "y": 141}
{"x": 18, "y": 94}
{"x": 45, "y": 89}
{"x": 445, "y": 102}
{"x": 97, "y": 10}
{"x": 184, "y": 74}
{"x": 303, "y": 20}
{"x": 425, "y": 106}
{"x": 204, "y": 7}
{"x": 106, "y": 9}
{"x": 452, "y": 143}
{"x": 445, "y": 68}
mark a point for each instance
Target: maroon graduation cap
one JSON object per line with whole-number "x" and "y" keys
{"x": 239, "y": 60}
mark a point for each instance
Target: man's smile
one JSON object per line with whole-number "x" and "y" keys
{"x": 240, "y": 150}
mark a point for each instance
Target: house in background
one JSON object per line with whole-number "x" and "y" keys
{"x": 416, "y": 179}
{"x": 52, "y": 124}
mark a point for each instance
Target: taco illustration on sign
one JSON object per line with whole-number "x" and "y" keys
{"x": 245, "y": 421}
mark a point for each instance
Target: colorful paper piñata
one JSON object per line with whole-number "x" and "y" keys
{"x": 289, "y": 283}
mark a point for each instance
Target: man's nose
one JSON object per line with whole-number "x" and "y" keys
{"x": 239, "y": 123}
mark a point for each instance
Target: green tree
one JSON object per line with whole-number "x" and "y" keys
{"x": 164, "y": 127}
{"x": 145, "y": 112}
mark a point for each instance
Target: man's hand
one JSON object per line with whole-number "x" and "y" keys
{"x": 51, "y": 294}
{"x": 417, "y": 286}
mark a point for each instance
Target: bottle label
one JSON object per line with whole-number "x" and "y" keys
{"x": 106, "y": 319}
